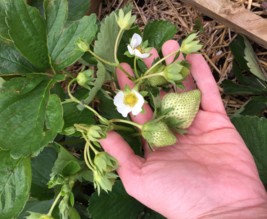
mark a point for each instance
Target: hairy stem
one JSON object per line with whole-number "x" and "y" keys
{"x": 160, "y": 61}
{"x": 74, "y": 99}
{"x": 126, "y": 122}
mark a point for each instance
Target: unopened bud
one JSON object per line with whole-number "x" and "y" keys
{"x": 85, "y": 77}
{"x": 190, "y": 44}
{"x": 125, "y": 21}
{"x": 83, "y": 46}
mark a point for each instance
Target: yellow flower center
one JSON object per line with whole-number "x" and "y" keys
{"x": 130, "y": 99}
{"x": 140, "y": 49}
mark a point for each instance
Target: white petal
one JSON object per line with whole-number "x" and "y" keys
{"x": 118, "y": 99}
{"x": 124, "y": 110}
{"x": 137, "y": 53}
{"x": 130, "y": 49}
{"x": 138, "y": 106}
{"x": 136, "y": 40}
{"x": 136, "y": 110}
{"x": 140, "y": 98}
{"x": 144, "y": 55}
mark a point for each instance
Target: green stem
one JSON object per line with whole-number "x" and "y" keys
{"x": 54, "y": 204}
{"x": 87, "y": 158}
{"x": 74, "y": 99}
{"x": 135, "y": 67}
{"x": 118, "y": 39}
{"x": 149, "y": 76}
{"x": 102, "y": 60}
{"x": 126, "y": 122}
{"x": 160, "y": 61}
{"x": 93, "y": 148}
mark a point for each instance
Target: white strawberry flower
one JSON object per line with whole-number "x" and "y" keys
{"x": 135, "y": 47}
{"x": 129, "y": 101}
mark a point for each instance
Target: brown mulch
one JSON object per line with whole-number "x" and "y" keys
{"x": 215, "y": 36}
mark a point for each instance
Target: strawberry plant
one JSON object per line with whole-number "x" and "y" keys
{"x": 59, "y": 97}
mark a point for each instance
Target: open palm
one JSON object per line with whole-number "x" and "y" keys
{"x": 208, "y": 171}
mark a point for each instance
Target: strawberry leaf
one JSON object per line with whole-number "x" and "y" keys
{"x": 253, "y": 130}
{"x": 252, "y": 61}
{"x": 15, "y": 184}
{"x": 106, "y": 38}
{"x": 116, "y": 203}
{"x": 31, "y": 116}
{"x": 28, "y": 32}
{"x": 158, "y": 32}
{"x": 12, "y": 62}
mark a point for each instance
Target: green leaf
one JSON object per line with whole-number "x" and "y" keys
{"x": 232, "y": 88}
{"x": 56, "y": 12}
{"x": 237, "y": 48}
{"x": 36, "y": 206}
{"x": 77, "y": 9}
{"x": 255, "y": 107}
{"x": 158, "y": 32}
{"x": 12, "y": 62}
{"x": 246, "y": 79}
{"x": 66, "y": 164}
{"x": 106, "y": 38}
{"x": 37, "y": 4}
{"x": 73, "y": 213}
{"x": 53, "y": 119}
{"x": 117, "y": 204}
{"x": 2, "y": 81}
{"x": 99, "y": 81}
{"x": 31, "y": 118}
{"x": 28, "y": 32}
{"x": 15, "y": 183}
{"x": 66, "y": 51}
{"x": 3, "y": 25}
{"x": 106, "y": 106}
{"x": 72, "y": 115}
{"x": 41, "y": 168}
{"x": 252, "y": 61}
{"x": 253, "y": 131}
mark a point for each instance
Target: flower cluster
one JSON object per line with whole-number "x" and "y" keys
{"x": 172, "y": 114}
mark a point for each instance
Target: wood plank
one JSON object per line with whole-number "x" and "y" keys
{"x": 236, "y": 17}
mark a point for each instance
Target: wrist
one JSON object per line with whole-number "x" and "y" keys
{"x": 242, "y": 210}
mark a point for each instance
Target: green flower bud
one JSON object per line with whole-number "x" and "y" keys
{"x": 69, "y": 131}
{"x": 94, "y": 133}
{"x": 125, "y": 21}
{"x": 83, "y": 46}
{"x": 85, "y": 77}
{"x": 105, "y": 163}
{"x": 176, "y": 72}
{"x": 190, "y": 44}
{"x": 104, "y": 181}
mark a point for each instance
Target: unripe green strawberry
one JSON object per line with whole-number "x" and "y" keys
{"x": 182, "y": 106}
{"x": 158, "y": 134}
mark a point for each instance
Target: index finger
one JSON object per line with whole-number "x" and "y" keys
{"x": 123, "y": 80}
{"x": 211, "y": 99}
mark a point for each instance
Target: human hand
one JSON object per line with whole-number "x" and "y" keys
{"x": 208, "y": 172}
